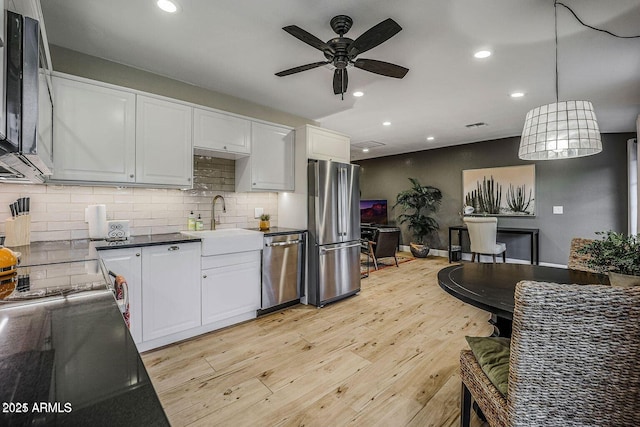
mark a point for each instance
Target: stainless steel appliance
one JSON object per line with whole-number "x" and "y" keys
{"x": 334, "y": 231}
{"x": 26, "y": 149}
{"x": 282, "y": 270}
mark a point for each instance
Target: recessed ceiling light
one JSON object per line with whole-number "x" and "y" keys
{"x": 517, "y": 94}
{"x": 365, "y": 150}
{"x": 430, "y": 138}
{"x": 386, "y": 123}
{"x": 167, "y": 6}
{"x": 358, "y": 94}
{"x": 482, "y": 54}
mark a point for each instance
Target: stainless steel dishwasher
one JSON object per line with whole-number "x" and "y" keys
{"x": 282, "y": 270}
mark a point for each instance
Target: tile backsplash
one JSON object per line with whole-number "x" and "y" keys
{"x": 57, "y": 211}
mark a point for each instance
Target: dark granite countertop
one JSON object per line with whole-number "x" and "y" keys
{"x": 275, "y": 231}
{"x": 65, "y": 347}
{"x": 150, "y": 240}
{"x": 40, "y": 253}
{"x": 74, "y": 359}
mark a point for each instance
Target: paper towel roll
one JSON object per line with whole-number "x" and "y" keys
{"x": 96, "y": 216}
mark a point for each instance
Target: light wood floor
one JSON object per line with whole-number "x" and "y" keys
{"x": 386, "y": 357}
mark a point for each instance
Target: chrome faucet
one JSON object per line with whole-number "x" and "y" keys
{"x": 213, "y": 210}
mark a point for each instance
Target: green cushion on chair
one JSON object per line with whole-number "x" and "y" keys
{"x": 493, "y": 356}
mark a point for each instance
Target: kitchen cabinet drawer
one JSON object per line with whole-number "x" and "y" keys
{"x": 227, "y": 135}
{"x": 230, "y": 291}
{"x": 271, "y": 164}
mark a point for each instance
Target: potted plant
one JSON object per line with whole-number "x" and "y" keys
{"x": 264, "y": 222}
{"x": 617, "y": 255}
{"x": 418, "y": 203}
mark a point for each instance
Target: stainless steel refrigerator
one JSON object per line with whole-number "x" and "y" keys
{"x": 334, "y": 231}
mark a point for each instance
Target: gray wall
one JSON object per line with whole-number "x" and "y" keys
{"x": 91, "y": 67}
{"x": 593, "y": 191}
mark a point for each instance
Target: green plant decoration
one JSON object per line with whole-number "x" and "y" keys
{"x": 516, "y": 198}
{"x": 419, "y": 202}
{"x": 265, "y": 217}
{"x": 616, "y": 252}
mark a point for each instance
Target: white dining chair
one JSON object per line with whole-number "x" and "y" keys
{"x": 482, "y": 236}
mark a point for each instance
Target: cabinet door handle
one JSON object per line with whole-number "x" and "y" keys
{"x": 173, "y": 248}
{"x": 138, "y": 254}
{"x": 131, "y": 176}
{"x": 204, "y": 276}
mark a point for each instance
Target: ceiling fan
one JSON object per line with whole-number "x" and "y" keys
{"x": 342, "y": 51}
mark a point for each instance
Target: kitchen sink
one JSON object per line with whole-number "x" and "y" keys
{"x": 227, "y": 240}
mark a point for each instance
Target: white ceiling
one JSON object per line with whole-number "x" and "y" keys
{"x": 235, "y": 47}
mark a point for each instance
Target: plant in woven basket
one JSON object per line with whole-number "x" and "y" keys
{"x": 615, "y": 252}
{"x": 419, "y": 202}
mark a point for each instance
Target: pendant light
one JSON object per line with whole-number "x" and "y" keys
{"x": 561, "y": 130}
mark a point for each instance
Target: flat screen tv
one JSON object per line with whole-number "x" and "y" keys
{"x": 373, "y": 212}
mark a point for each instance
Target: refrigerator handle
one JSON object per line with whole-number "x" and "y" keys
{"x": 337, "y": 248}
{"x": 344, "y": 181}
{"x": 340, "y": 207}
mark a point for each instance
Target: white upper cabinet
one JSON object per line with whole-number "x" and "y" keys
{"x": 271, "y": 164}
{"x": 325, "y": 144}
{"x": 228, "y": 135}
{"x": 163, "y": 142}
{"x": 94, "y": 132}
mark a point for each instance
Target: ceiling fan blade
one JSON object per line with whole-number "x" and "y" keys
{"x": 374, "y": 36}
{"x": 340, "y": 81}
{"x": 302, "y": 68}
{"x": 308, "y": 38}
{"x": 381, "y": 67}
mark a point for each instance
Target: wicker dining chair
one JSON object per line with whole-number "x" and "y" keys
{"x": 578, "y": 261}
{"x": 574, "y": 361}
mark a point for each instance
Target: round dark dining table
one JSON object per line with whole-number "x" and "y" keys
{"x": 491, "y": 287}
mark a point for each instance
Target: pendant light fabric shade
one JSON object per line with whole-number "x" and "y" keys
{"x": 561, "y": 130}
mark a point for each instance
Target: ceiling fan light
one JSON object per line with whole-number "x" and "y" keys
{"x": 167, "y": 6}
{"x": 562, "y": 130}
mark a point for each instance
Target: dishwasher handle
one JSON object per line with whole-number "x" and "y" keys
{"x": 287, "y": 243}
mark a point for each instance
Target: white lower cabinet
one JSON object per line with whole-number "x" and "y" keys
{"x": 164, "y": 289}
{"x": 170, "y": 289}
{"x": 230, "y": 286}
{"x": 175, "y": 294}
{"x": 128, "y": 263}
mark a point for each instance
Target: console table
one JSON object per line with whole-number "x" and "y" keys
{"x": 533, "y": 233}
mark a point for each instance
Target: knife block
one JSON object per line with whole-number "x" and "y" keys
{"x": 18, "y": 231}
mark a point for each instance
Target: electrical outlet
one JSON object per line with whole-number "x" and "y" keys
{"x": 558, "y": 210}
{"x": 258, "y": 212}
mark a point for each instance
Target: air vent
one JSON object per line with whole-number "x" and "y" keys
{"x": 476, "y": 125}
{"x": 367, "y": 144}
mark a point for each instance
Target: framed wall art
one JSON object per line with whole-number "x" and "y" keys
{"x": 503, "y": 191}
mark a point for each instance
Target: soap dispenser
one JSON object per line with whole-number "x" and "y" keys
{"x": 199, "y": 223}
{"x": 191, "y": 222}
